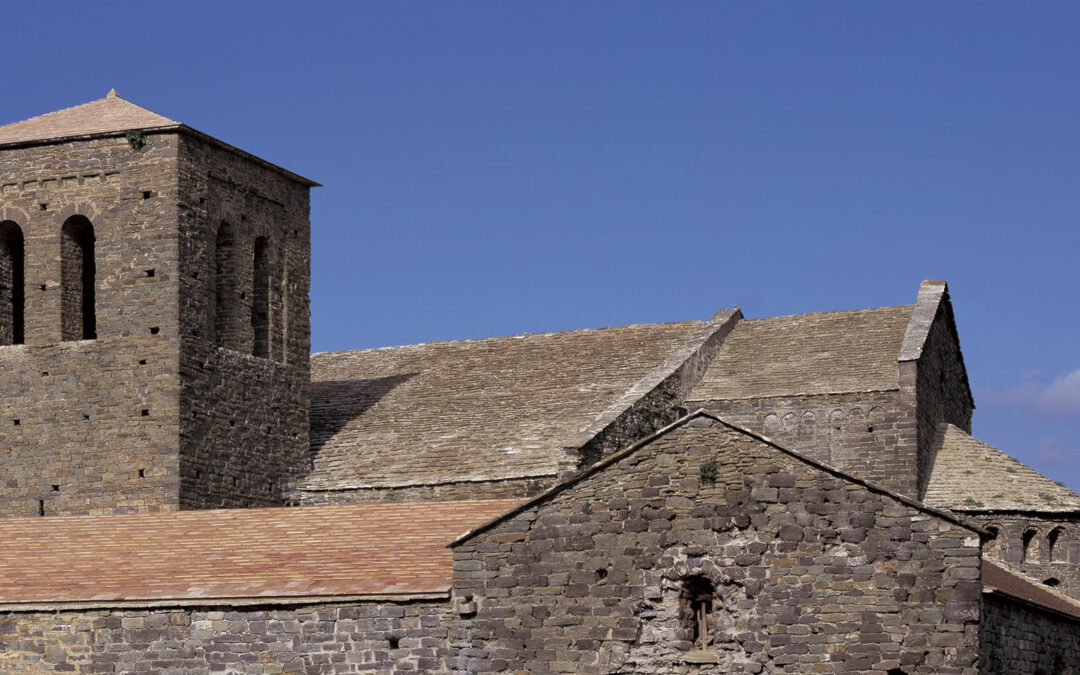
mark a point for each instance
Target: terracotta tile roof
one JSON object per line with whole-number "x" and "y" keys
{"x": 368, "y": 549}
{"x": 969, "y": 475}
{"x": 508, "y": 407}
{"x": 826, "y": 352}
{"x": 111, "y": 114}
{"x": 1012, "y": 583}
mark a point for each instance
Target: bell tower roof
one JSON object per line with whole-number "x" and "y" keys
{"x": 108, "y": 115}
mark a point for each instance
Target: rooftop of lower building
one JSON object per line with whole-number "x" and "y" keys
{"x": 235, "y": 555}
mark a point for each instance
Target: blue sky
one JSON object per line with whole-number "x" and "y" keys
{"x": 498, "y": 168}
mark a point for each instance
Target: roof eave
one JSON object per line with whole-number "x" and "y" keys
{"x": 163, "y": 129}
{"x": 228, "y": 601}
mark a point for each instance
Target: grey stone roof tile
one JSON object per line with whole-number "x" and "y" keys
{"x": 498, "y": 408}
{"x": 820, "y": 353}
{"x": 969, "y": 475}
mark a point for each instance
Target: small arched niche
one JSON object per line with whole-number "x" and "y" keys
{"x": 1055, "y": 547}
{"x": 1029, "y": 545}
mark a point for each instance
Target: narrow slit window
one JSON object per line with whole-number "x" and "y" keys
{"x": 260, "y": 298}
{"x": 78, "y": 320}
{"x": 224, "y": 286}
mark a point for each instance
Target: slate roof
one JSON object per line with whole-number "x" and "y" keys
{"x": 969, "y": 475}
{"x": 498, "y": 408}
{"x": 356, "y": 550}
{"x": 997, "y": 578}
{"x": 111, "y": 114}
{"x": 820, "y": 353}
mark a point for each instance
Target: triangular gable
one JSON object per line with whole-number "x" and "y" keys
{"x": 689, "y": 419}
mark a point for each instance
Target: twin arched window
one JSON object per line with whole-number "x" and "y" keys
{"x": 230, "y": 299}
{"x": 78, "y": 320}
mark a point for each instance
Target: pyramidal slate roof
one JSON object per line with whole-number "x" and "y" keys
{"x": 819, "y": 353}
{"x": 969, "y": 475}
{"x": 368, "y": 550}
{"x": 108, "y": 115}
{"x": 478, "y": 410}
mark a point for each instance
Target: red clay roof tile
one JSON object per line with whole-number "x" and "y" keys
{"x": 354, "y": 550}
{"x": 111, "y": 114}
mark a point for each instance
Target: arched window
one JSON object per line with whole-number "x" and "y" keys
{"x": 224, "y": 286}
{"x": 11, "y": 284}
{"x": 1054, "y": 550}
{"x": 992, "y": 544}
{"x": 698, "y": 598}
{"x": 1030, "y": 545}
{"x": 78, "y": 320}
{"x": 260, "y": 298}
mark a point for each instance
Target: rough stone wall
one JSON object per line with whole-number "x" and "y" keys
{"x": 243, "y": 418}
{"x": 812, "y": 573}
{"x": 939, "y": 383}
{"x": 871, "y": 435}
{"x": 90, "y": 426}
{"x": 405, "y": 637}
{"x": 1049, "y": 552}
{"x": 1016, "y": 638}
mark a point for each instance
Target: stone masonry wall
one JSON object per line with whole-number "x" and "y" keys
{"x": 90, "y": 426}
{"x": 243, "y": 419}
{"x": 871, "y": 435}
{"x": 1016, "y": 638}
{"x": 1052, "y": 550}
{"x": 404, "y": 637}
{"x": 810, "y": 572}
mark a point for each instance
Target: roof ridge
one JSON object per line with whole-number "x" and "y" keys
{"x": 510, "y": 337}
{"x": 831, "y": 311}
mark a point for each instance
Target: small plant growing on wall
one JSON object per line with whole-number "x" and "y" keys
{"x": 136, "y": 138}
{"x": 708, "y": 471}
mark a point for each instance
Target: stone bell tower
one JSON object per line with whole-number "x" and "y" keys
{"x": 154, "y": 331}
